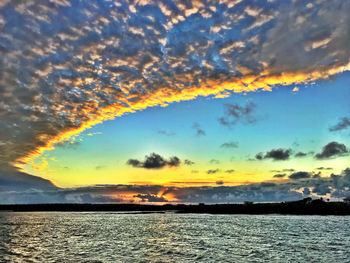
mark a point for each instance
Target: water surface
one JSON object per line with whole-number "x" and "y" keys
{"x": 115, "y": 237}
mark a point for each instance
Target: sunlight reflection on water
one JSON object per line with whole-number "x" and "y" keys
{"x": 114, "y": 237}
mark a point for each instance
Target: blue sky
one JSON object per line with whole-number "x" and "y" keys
{"x": 297, "y": 120}
{"x": 175, "y": 94}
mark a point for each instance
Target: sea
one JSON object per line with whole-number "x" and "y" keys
{"x": 170, "y": 237}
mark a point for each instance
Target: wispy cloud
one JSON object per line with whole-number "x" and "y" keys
{"x": 343, "y": 124}
{"x": 166, "y": 133}
{"x": 229, "y": 145}
{"x": 198, "y": 129}
{"x": 235, "y": 113}
{"x": 213, "y": 171}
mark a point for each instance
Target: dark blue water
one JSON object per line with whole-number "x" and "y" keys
{"x": 114, "y": 237}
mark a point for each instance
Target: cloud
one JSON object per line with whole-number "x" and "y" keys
{"x": 151, "y": 198}
{"x": 278, "y": 154}
{"x": 235, "y": 113}
{"x": 219, "y": 182}
{"x": 259, "y": 156}
{"x": 300, "y": 154}
{"x": 213, "y": 171}
{"x": 343, "y": 124}
{"x": 199, "y": 130}
{"x": 188, "y": 162}
{"x": 12, "y": 180}
{"x": 68, "y": 144}
{"x": 275, "y": 154}
{"x": 288, "y": 170}
{"x": 299, "y": 175}
{"x": 166, "y": 133}
{"x": 100, "y": 167}
{"x": 306, "y": 191}
{"x": 154, "y": 161}
{"x": 302, "y": 184}
{"x": 332, "y": 150}
{"x": 230, "y": 171}
{"x": 76, "y": 64}
{"x": 279, "y": 175}
{"x": 214, "y": 161}
{"x": 321, "y": 189}
{"x": 324, "y": 168}
{"x": 229, "y": 145}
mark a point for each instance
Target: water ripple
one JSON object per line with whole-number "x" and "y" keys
{"x": 114, "y": 237}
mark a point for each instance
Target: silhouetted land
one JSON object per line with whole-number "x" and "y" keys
{"x": 302, "y": 207}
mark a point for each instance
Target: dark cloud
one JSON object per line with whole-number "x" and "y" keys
{"x": 230, "y": 171}
{"x": 275, "y": 154}
{"x": 343, "y": 124}
{"x": 288, "y": 170}
{"x": 259, "y": 156}
{"x": 279, "y": 175}
{"x": 214, "y": 161}
{"x": 219, "y": 182}
{"x": 213, "y": 171}
{"x": 235, "y": 113}
{"x": 306, "y": 191}
{"x": 278, "y": 154}
{"x": 300, "y": 154}
{"x": 299, "y": 175}
{"x": 198, "y": 129}
{"x": 229, "y": 145}
{"x": 188, "y": 162}
{"x": 321, "y": 189}
{"x": 174, "y": 162}
{"x": 154, "y": 161}
{"x": 316, "y": 175}
{"x": 332, "y": 150}
{"x": 12, "y": 180}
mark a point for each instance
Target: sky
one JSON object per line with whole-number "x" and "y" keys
{"x": 174, "y": 101}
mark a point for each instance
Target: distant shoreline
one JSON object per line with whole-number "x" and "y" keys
{"x": 302, "y": 207}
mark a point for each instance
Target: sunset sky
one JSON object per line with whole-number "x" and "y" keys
{"x": 183, "y": 101}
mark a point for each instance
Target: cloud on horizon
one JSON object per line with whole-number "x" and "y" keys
{"x": 303, "y": 184}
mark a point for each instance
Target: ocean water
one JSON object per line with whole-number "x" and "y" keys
{"x": 116, "y": 237}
